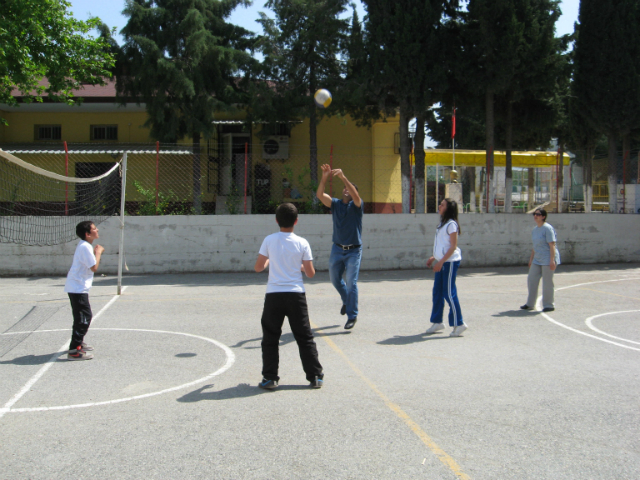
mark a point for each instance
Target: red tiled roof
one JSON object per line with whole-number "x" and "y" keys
{"x": 86, "y": 91}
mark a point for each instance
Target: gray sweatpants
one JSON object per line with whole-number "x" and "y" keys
{"x": 533, "y": 281}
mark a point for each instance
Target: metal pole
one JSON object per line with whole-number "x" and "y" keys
{"x": 437, "y": 199}
{"x": 121, "y": 246}
{"x": 157, "y": 173}
{"x": 66, "y": 185}
{"x": 246, "y": 152}
{"x": 454, "y": 152}
{"x": 331, "y": 176}
{"x": 411, "y": 177}
{"x": 558, "y": 209}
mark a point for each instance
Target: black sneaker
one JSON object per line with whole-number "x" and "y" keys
{"x": 548, "y": 309}
{"x": 79, "y": 354}
{"x": 316, "y": 383}
{"x": 343, "y": 310}
{"x": 525, "y": 307}
{"x": 268, "y": 384}
{"x": 350, "y": 323}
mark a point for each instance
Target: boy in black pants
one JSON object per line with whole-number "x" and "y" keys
{"x": 288, "y": 256}
{"x": 79, "y": 280}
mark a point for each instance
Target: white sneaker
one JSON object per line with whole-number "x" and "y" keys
{"x": 457, "y": 331}
{"x": 434, "y": 328}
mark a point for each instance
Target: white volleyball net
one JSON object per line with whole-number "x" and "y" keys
{"x": 41, "y": 204}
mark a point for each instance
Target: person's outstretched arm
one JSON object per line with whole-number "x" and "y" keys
{"x": 323, "y": 197}
{"x": 357, "y": 201}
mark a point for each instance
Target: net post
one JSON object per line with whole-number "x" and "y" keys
{"x": 121, "y": 246}
{"x": 157, "y": 173}
{"x": 246, "y": 152}
{"x": 66, "y": 184}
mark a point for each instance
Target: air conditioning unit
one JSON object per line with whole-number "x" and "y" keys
{"x": 276, "y": 148}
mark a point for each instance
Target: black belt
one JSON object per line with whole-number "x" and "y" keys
{"x": 347, "y": 247}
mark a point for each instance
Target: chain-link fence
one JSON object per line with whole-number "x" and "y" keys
{"x": 165, "y": 179}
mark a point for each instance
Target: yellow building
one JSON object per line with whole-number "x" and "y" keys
{"x": 277, "y": 165}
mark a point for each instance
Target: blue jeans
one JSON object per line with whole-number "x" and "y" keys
{"x": 347, "y": 263}
{"x": 444, "y": 288}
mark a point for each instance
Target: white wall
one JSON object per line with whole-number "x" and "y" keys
{"x": 173, "y": 244}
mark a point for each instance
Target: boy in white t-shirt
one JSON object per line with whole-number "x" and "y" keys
{"x": 287, "y": 255}
{"x": 79, "y": 279}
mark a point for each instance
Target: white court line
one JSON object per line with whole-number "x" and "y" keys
{"x": 589, "y": 323}
{"x": 50, "y": 362}
{"x": 587, "y": 334}
{"x": 228, "y": 363}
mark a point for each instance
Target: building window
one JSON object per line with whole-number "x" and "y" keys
{"x": 104, "y": 132}
{"x": 47, "y": 132}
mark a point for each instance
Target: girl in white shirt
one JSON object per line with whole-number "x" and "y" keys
{"x": 447, "y": 256}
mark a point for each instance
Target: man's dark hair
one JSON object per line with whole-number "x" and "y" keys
{"x": 83, "y": 228}
{"x": 286, "y": 215}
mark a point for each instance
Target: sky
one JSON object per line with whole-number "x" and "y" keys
{"x": 110, "y": 13}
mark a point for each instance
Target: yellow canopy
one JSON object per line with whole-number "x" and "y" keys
{"x": 478, "y": 158}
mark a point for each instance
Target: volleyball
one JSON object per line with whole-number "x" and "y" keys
{"x": 322, "y": 98}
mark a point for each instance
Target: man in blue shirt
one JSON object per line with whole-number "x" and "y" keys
{"x": 346, "y": 252}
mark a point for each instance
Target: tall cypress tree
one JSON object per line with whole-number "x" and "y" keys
{"x": 301, "y": 47}
{"x": 405, "y": 50}
{"x": 491, "y": 37}
{"x": 182, "y": 59}
{"x": 607, "y": 74}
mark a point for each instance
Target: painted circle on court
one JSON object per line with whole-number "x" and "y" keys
{"x": 552, "y": 320}
{"x": 230, "y": 359}
{"x": 589, "y": 322}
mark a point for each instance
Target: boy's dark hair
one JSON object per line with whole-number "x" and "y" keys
{"x": 83, "y": 228}
{"x": 286, "y": 215}
{"x": 450, "y": 213}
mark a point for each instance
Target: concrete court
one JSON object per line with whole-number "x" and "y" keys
{"x": 521, "y": 396}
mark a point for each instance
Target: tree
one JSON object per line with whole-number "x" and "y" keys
{"x": 301, "y": 48}
{"x": 539, "y": 75}
{"x": 40, "y": 39}
{"x": 606, "y": 81}
{"x": 404, "y": 45}
{"x": 490, "y": 37}
{"x": 183, "y": 60}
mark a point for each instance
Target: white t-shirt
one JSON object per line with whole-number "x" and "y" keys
{"x": 442, "y": 242}
{"x": 285, "y": 251}
{"x": 80, "y": 276}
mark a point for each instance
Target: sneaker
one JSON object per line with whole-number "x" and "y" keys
{"x": 525, "y": 307}
{"x": 79, "y": 354}
{"x": 343, "y": 310}
{"x": 350, "y": 323}
{"x": 268, "y": 384}
{"x": 548, "y": 309}
{"x": 457, "y": 331}
{"x": 87, "y": 348}
{"x": 434, "y": 328}
{"x": 316, "y": 383}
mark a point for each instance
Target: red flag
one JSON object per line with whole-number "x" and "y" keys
{"x": 453, "y": 123}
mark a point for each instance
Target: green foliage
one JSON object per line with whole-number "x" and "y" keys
{"x": 307, "y": 188}
{"x": 607, "y": 72}
{"x": 301, "y": 48}
{"x": 168, "y": 203}
{"x": 40, "y": 38}
{"x": 233, "y": 201}
{"x": 182, "y": 59}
